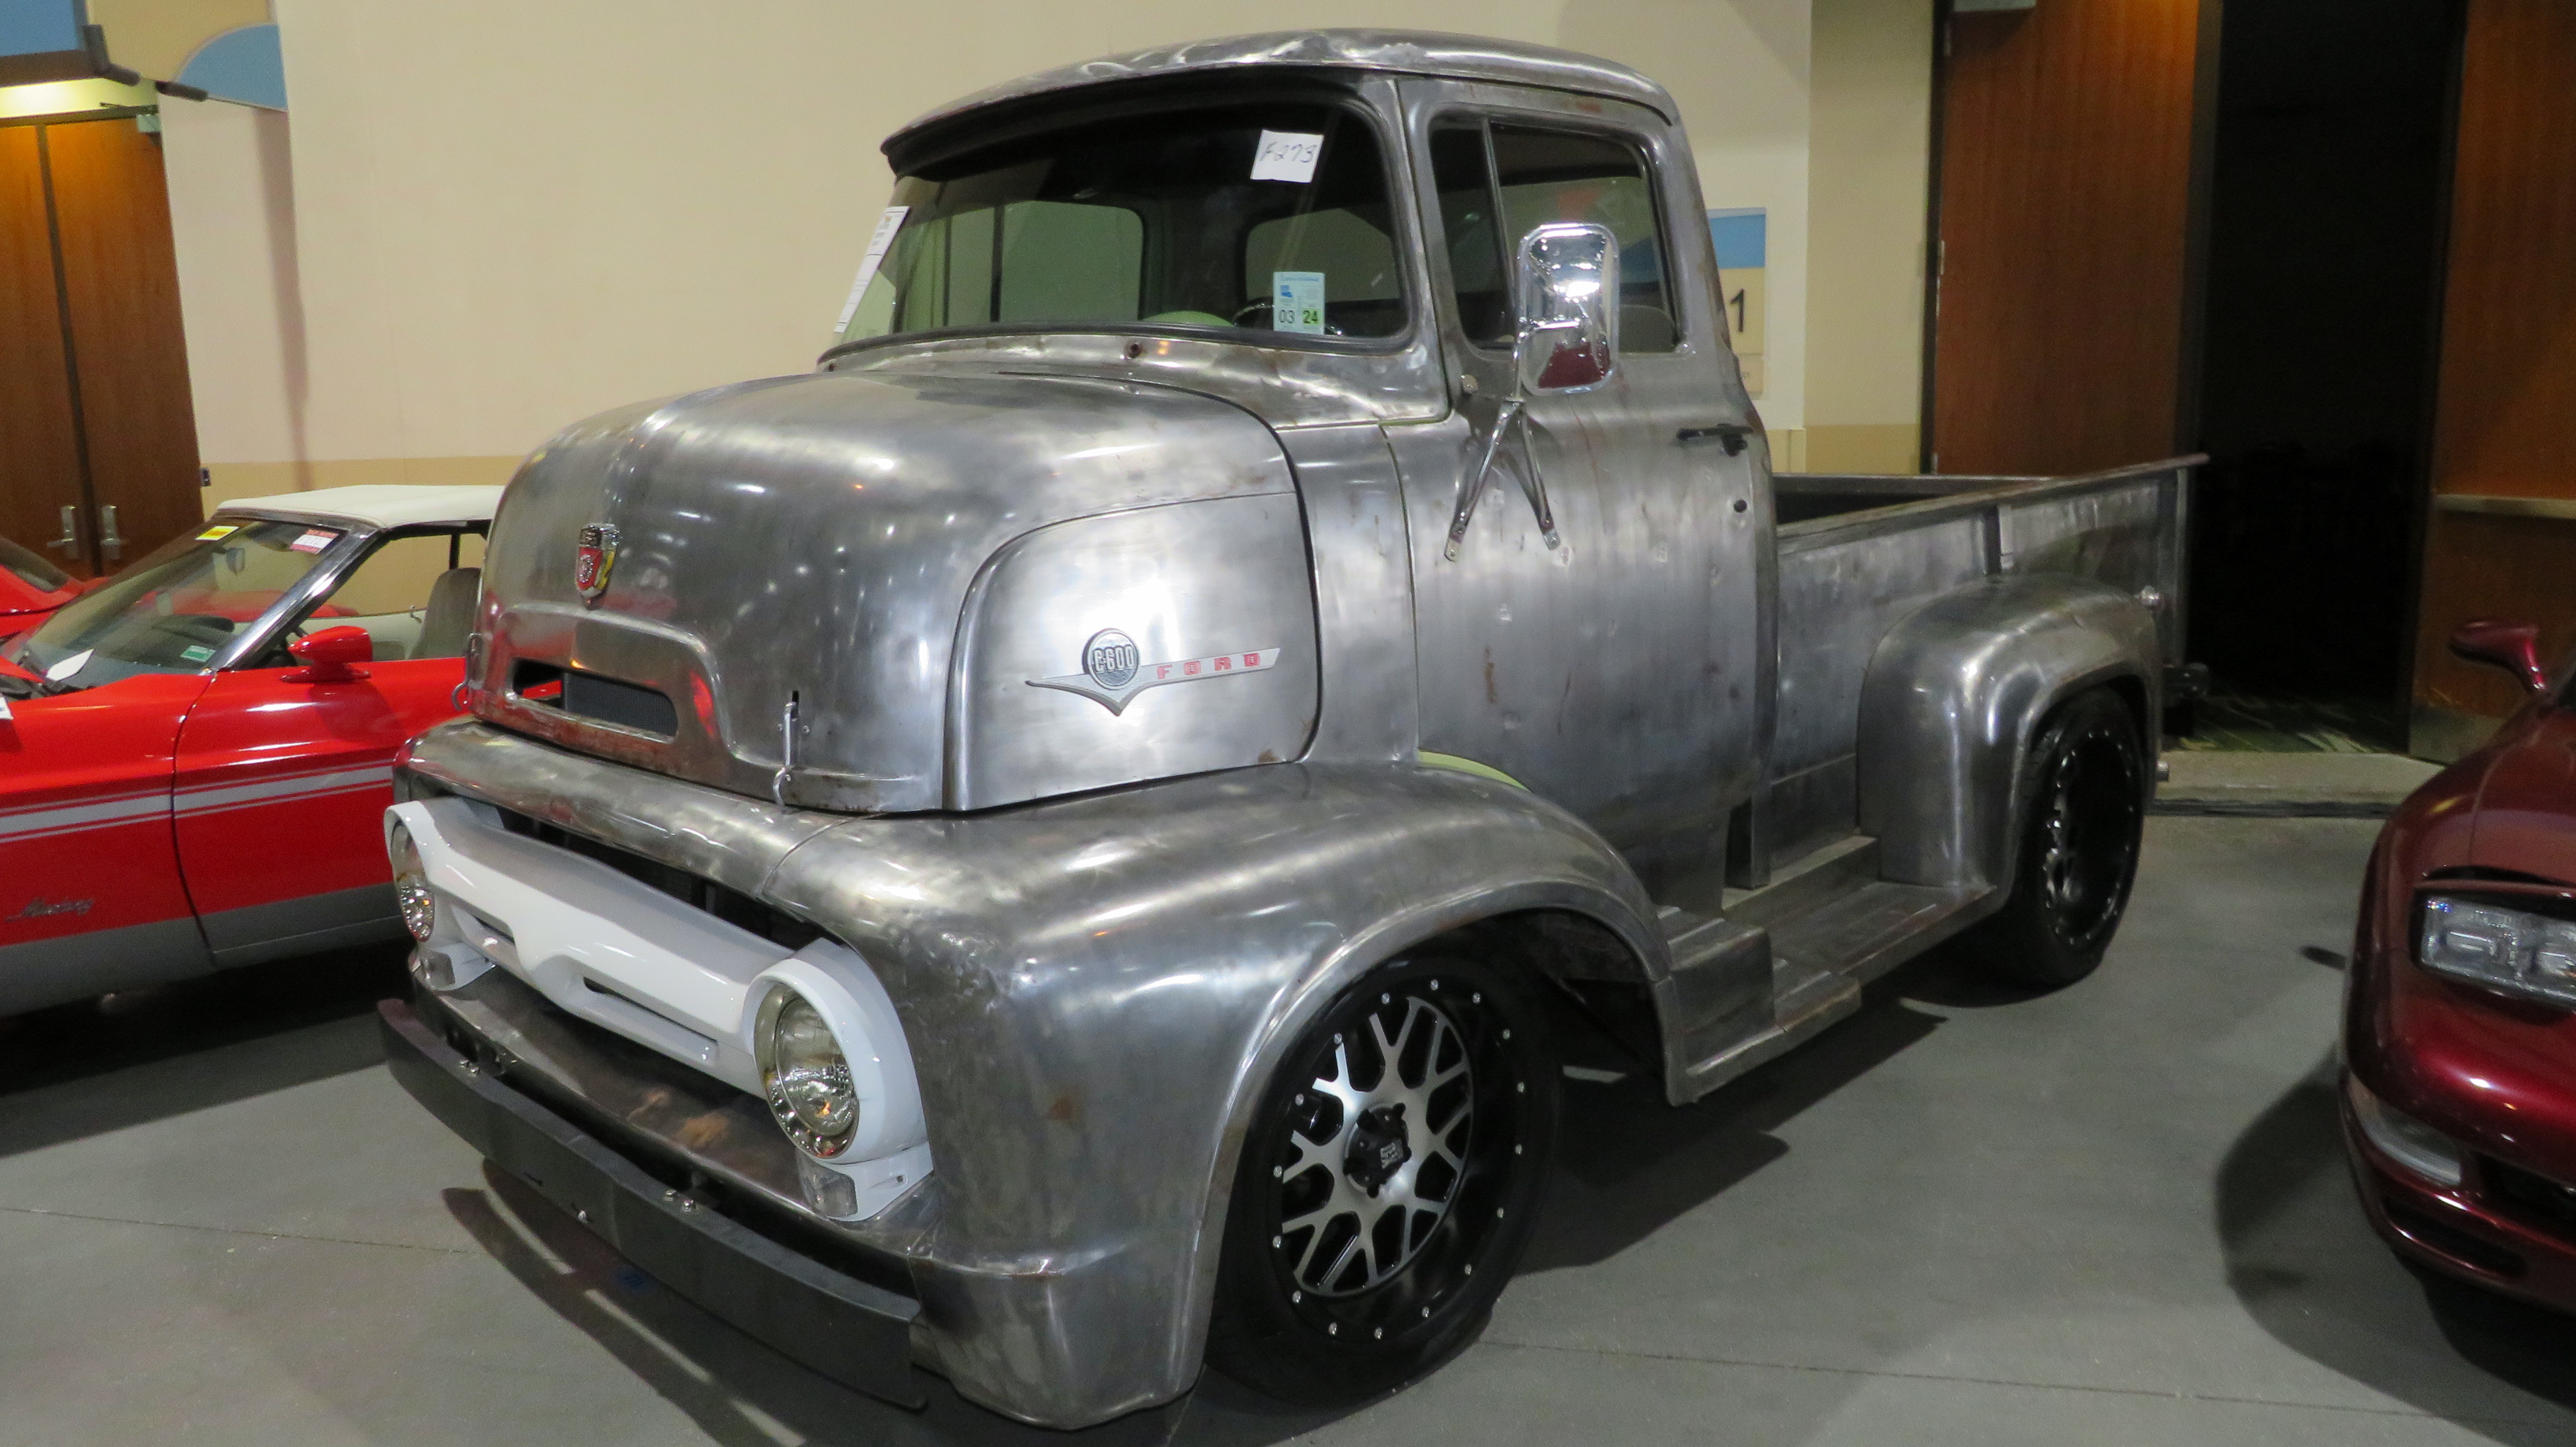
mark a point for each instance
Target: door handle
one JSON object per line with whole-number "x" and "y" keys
{"x": 1729, "y": 434}
{"x": 111, "y": 543}
{"x": 69, "y": 542}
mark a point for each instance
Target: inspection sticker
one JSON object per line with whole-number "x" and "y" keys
{"x": 315, "y": 540}
{"x": 1297, "y": 302}
{"x": 1287, "y": 156}
{"x": 196, "y": 653}
{"x": 220, "y": 530}
{"x": 887, "y": 225}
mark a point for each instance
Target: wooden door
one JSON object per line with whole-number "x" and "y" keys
{"x": 40, "y": 465}
{"x": 2064, "y": 198}
{"x": 98, "y": 414}
{"x": 2500, "y": 536}
{"x": 121, "y": 286}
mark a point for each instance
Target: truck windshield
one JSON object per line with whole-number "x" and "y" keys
{"x": 174, "y": 611}
{"x": 1268, "y": 218}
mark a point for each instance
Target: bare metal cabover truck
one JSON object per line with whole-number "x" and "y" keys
{"x": 1071, "y": 841}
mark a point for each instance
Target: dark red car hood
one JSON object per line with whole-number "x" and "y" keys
{"x": 2524, "y": 816}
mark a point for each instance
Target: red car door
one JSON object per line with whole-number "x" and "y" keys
{"x": 281, "y": 793}
{"x": 90, "y": 893}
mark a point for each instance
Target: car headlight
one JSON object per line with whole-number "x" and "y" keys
{"x": 411, "y": 885}
{"x": 2511, "y": 950}
{"x": 805, "y": 1074}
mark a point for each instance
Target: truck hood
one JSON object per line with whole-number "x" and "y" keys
{"x": 807, "y": 546}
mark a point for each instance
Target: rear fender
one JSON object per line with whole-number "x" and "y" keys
{"x": 1953, "y": 701}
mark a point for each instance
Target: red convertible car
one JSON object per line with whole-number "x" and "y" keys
{"x": 2459, "y": 1032}
{"x": 195, "y": 753}
{"x": 30, "y": 589}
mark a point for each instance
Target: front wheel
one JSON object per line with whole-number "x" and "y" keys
{"x": 2083, "y": 809}
{"x": 1388, "y": 1182}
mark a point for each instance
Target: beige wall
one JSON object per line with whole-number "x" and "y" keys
{"x": 495, "y": 218}
{"x": 1870, "y": 171}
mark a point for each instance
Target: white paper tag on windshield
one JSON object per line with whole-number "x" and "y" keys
{"x": 315, "y": 540}
{"x": 66, "y": 667}
{"x": 1286, "y": 156}
{"x": 1297, "y": 302}
{"x": 4, "y": 709}
{"x": 887, "y": 225}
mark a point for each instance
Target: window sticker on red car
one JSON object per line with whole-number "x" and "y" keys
{"x": 315, "y": 540}
{"x": 196, "y": 653}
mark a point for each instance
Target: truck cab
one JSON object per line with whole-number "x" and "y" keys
{"x": 1069, "y": 841}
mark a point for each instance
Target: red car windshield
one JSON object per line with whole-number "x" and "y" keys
{"x": 177, "y": 610}
{"x": 32, "y": 570}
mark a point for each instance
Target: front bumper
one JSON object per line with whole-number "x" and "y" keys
{"x": 2461, "y": 1235}
{"x": 852, "y": 1331}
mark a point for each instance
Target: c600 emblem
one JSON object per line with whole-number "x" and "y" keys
{"x": 1114, "y": 670}
{"x": 1110, "y": 658}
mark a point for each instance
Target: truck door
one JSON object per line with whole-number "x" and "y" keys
{"x": 282, "y": 784}
{"x": 1618, "y": 672}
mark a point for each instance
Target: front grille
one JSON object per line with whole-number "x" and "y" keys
{"x": 2527, "y": 1194}
{"x": 597, "y": 697}
{"x": 724, "y": 902}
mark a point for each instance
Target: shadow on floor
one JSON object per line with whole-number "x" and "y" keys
{"x": 1627, "y": 1163}
{"x": 100, "y": 1065}
{"x": 2307, "y": 1266}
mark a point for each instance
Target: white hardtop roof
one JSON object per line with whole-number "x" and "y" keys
{"x": 387, "y": 505}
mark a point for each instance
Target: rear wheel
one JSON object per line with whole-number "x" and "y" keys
{"x": 1388, "y": 1182}
{"x": 2083, "y": 808}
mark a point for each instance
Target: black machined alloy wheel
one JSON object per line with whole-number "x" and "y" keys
{"x": 2083, "y": 812}
{"x": 1388, "y": 1181}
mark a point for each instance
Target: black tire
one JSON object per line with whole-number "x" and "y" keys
{"x": 2082, "y": 807}
{"x": 1315, "y": 1303}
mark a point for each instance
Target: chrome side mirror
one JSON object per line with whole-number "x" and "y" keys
{"x": 1565, "y": 288}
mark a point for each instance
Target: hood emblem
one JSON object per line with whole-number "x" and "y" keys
{"x": 592, "y": 560}
{"x": 1113, "y": 671}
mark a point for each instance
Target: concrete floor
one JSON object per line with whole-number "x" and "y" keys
{"x": 2117, "y": 1214}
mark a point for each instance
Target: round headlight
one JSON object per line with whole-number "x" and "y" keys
{"x": 411, "y": 886}
{"x": 807, "y": 1076}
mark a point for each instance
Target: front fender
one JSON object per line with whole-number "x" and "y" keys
{"x": 1095, "y": 991}
{"x": 1953, "y": 699}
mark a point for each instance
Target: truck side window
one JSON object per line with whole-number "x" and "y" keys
{"x": 1537, "y": 176}
{"x": 1465, "y": 181}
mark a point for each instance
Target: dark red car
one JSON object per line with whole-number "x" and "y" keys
{"x": 2459, "y": 1032}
